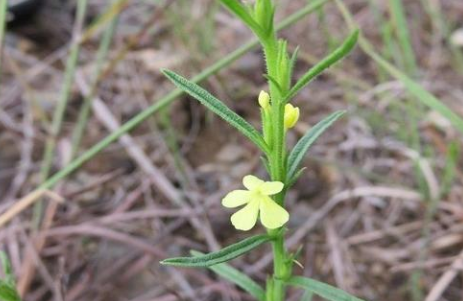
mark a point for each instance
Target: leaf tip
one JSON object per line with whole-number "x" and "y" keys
{"x": 165, "y": 262}
{"x": 165, "y": 71}
{"x": 354, "y": 36}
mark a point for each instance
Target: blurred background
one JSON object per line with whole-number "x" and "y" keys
{"x": 378, "y": 212}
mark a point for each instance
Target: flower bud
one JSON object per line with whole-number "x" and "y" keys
{"x": 264, "y": 100}
{"x": 291, "y": 116}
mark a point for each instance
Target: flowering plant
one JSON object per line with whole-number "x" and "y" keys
{"x": 265, "y": 200}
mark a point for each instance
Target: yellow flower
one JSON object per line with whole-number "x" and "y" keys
{"x": 291, "y": 116}
{"x": 257, "y": 199}
{"x": 264, "y": 100}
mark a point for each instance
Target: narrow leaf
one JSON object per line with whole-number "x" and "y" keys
{"x": 218, "y": 108}
{"x": 301, "y": 148}
{"x": 241, "y": 12}
{"x": 327, "y": 62}
{"x": 224, "y": 255}
{"x": 321, "y": 289}
{"x": 241, "y": 280}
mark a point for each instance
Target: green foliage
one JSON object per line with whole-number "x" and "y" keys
{"x": 218, "y": 108}
{"x": 297, "y": 154}
{"x": 8, "y": 290}
{"x": 8, "y": 293}
{"x": 284, "y": 66}
{"x": 451, "y": 166}
{"x": 264, "y": 12}
{"x": 403, "y": 34}
{"x": 321, "y": 289}
{"x": 327, "y": 62}
{"x": 234, "y": 276}
{"x": 241, "y": 12}
{"x": 414, "y": 88}
{"x": 224, "y": 255}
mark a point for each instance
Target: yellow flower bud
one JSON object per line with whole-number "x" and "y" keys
{"x": 291, "y": 116}
{"x": 264, "y": 100}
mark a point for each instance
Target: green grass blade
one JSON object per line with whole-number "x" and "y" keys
{"x": 327, "y": 62}
{"x": 414, "y": 88}
{"x": 3, "y": 14}
{"x": 109, "y": 15}
{"x": 221, "y": 256}
{"x": 403, "y": 34}
{"x": 85, "y": 109}
{"x": 321, "y": 289}
{"x": 297, "y": 154}
{"x": 241, "y": 12}
{"x": 60, "y": 109}
{"x": 219, "y": 108}
{"x": 241, "y": 280}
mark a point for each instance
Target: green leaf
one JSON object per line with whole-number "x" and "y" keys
{"x": 321, "y": 289}
{"x": 327, "y": 62}
{"x": 224, "y": 255}
{"x": 8, "y": 293}
{"x": 218, "y": 108}
{"x": 241, "y": 280}
{"x": 301, "y": 148}
{"x": 241, "y": 12}
{"x": 264, "y": 12}
{"x": 274, "y": 81}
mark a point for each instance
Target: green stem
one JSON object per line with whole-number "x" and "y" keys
{"x": 277, "y": 169}
{"x": 60, "y": 109}
{"x": 281, "y": 270}
{"x": 169, "y": 98}
{"x": 84, "y": 112}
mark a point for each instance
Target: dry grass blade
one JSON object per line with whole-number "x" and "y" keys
{"x": 24, "y": 203}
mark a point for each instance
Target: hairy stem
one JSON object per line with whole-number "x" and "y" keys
{"x": 277, "y": 169}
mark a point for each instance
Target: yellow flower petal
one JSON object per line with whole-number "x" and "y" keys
{"x": 271, "y": 188}
{"x": 272, "y": 215}
{"x": 252, "y": 183}
{"x": 236, "y": 198}
{"x": 291, "y": 116}
{"x": 246, "y": 218}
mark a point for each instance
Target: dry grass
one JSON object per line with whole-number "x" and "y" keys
{"x": 370, "y": 212}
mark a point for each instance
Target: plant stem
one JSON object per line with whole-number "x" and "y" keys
{"x": 281, "y": 272}
{"x": 277, "y": 159}
{"x": 3, "y": 20}
{"x": 60, "y": 109}
{"x": 84, "y": 112}
{"x": 169, "y": 98}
